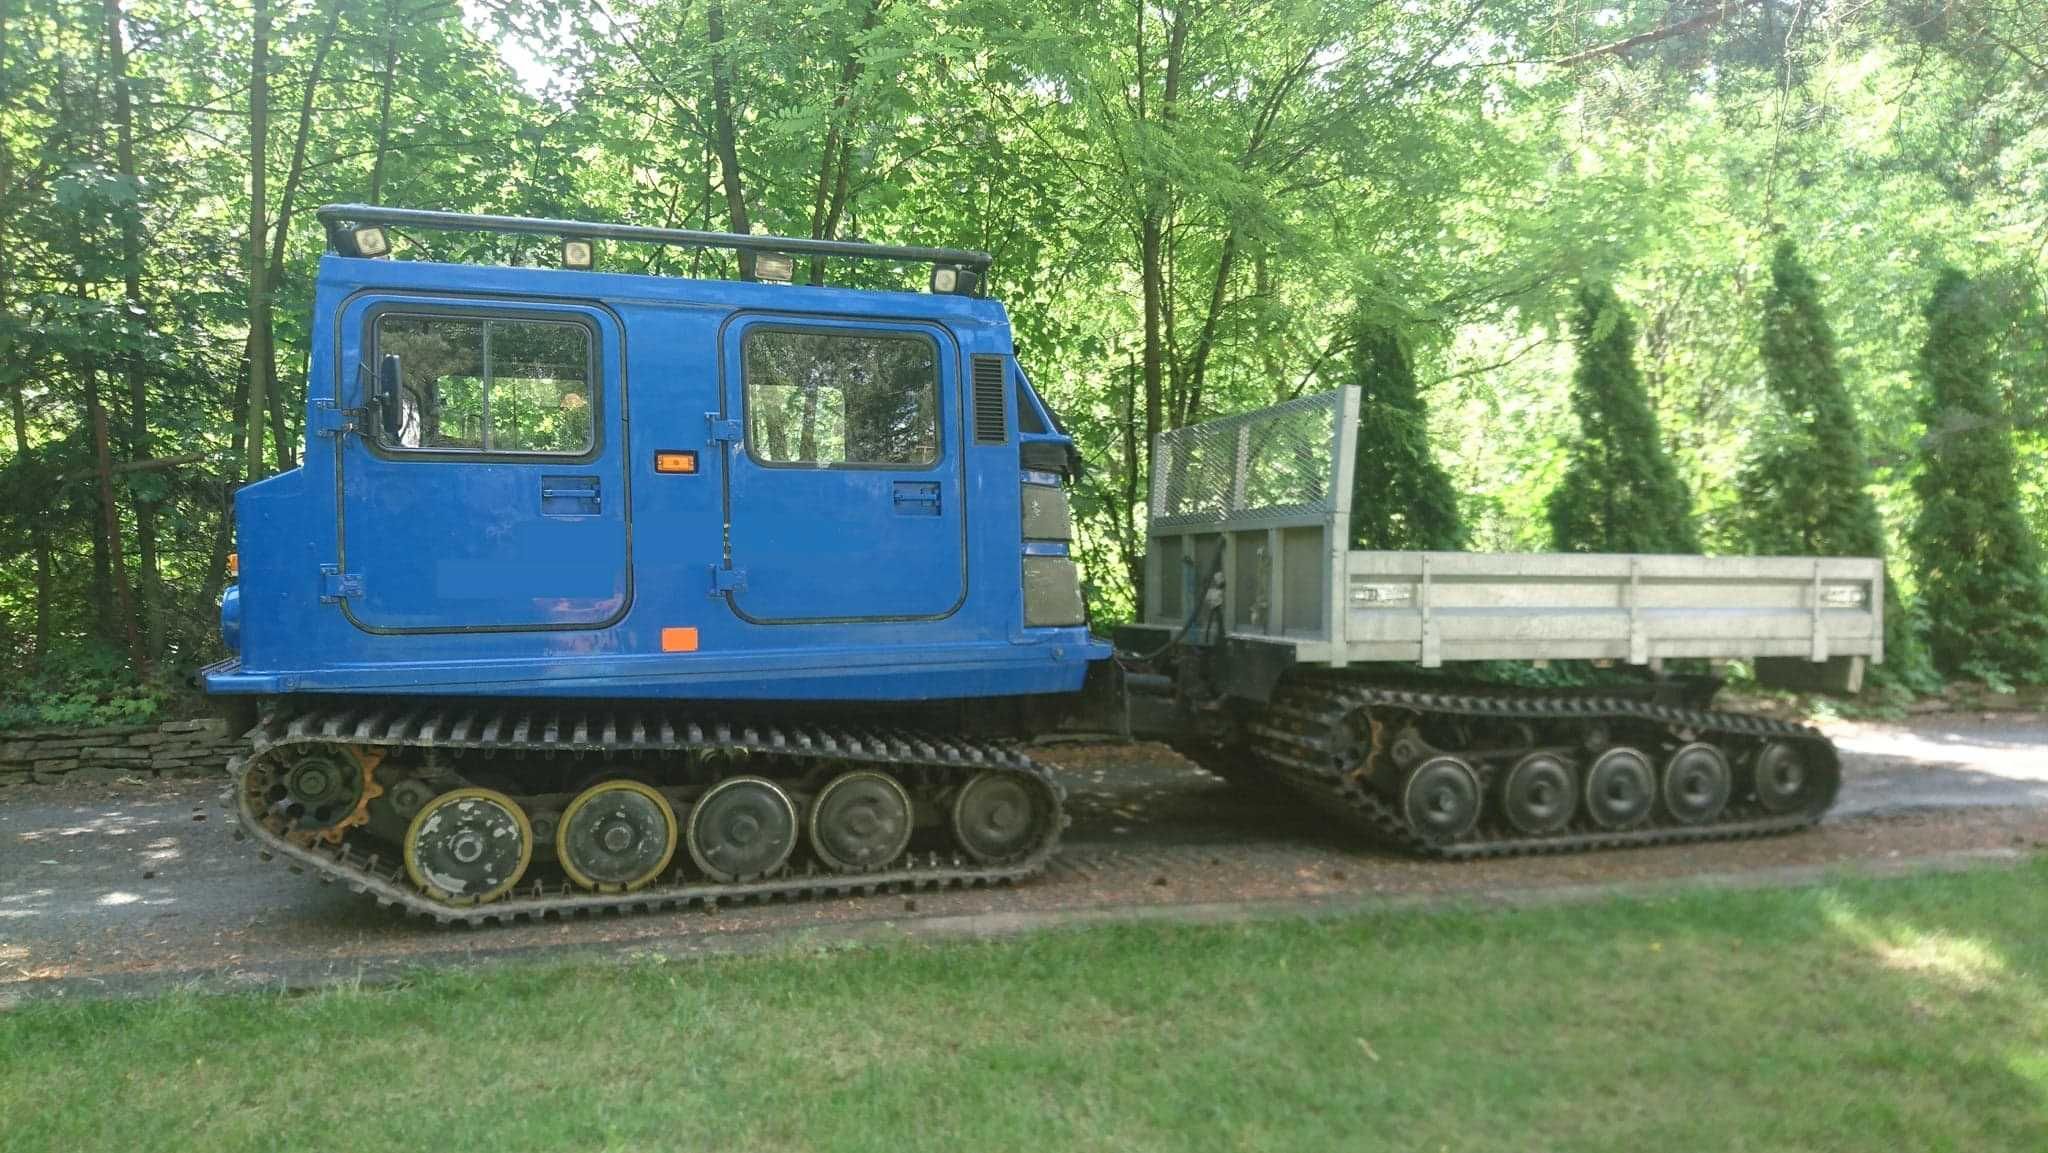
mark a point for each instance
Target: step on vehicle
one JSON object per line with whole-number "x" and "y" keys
{"x": 598, "y": 590}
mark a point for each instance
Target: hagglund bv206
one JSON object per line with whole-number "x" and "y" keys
{"x": 601, "y": 591}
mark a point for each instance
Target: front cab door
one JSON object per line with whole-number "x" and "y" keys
{"x": 844, "y": 485}
{"x": 502, "y": 503}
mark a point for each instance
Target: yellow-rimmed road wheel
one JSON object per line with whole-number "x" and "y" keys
{"x": 616, "y": 836}
{"x": 468, "y": 846}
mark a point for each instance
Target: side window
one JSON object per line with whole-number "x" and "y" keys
{"x": 825, "y": 398}
{"x": 471, "y": 384}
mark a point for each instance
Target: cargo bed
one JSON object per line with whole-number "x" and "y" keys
{"x": 1263, "y": 500}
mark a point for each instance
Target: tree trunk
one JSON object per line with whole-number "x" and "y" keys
{"x": 224, "y": 529}
{"x": 110, "y": 518}
{"x": 259, "y": 293}
{"x": 38, "y": 535}
{"x": 132, "y": 321}
{"x": 386, "y": 83}
{"x": 726, "y": 141}
{"x": 280, "y": 407}
{"x": 1206, "y": 342}
{"x": 828, "y": 203}
{"x": 1152, "y": 223}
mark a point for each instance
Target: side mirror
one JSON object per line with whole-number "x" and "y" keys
{"x": 390, "y": 385}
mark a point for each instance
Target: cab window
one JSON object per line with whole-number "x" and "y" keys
{"x": 490, "y": 384}
{"x": 830, "y": 397}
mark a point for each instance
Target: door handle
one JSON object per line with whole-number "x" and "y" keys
{"x": 569, "y": 496}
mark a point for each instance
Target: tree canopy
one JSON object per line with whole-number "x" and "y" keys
{"x": 1182, "y": 199}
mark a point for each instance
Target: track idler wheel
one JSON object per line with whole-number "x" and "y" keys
{"x": 862, "y": 821}
{"x": 1539, "y": 795}
{"x": 468, "y": 846}
{"x": 1782, "y": 777}
{"x": 616, "y": 836}
{"x": 1621, "y": 788}
{"x": 1441, "y": 799}
{"x": 999, "y": 818}
{"x": 1697, "y": 784}
{"x": 743, "y": 828}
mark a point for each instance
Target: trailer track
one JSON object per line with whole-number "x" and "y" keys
{"x": 1311, "y": 739}
{"x": 933, "y": 765}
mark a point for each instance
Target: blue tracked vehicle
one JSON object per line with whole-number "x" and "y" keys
{"x": 597, "y": 590}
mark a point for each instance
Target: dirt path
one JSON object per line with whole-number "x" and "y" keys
{"x": 134, "y": 887}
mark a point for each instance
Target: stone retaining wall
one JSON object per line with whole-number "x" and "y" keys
{"x": 197, "y": 748}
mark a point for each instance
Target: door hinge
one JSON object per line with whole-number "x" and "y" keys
{"x": 723, "y": 428}
{"x": 336, "y": 585}
{"x": 727, "y": 580}
{"x": 331, "y": 420}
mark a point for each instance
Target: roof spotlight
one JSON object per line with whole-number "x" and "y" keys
{"x": 952, "y": 281}
{"x": 370, "y": 240}
{"x": 774, "y": 267}
{"x": 578, "y": 254}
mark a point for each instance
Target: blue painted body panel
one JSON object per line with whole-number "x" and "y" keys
{"x": 364, "y": 571}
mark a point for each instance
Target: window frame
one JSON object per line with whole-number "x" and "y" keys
{"x": 938, "y": 457}
{"x": 373, "y": 333}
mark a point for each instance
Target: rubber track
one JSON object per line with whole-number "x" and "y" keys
{"x": 517, "y": 731}
{"x": 1322, "y": 705}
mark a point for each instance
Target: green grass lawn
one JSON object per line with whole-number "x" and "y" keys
{"x": 1872, "y": 1015}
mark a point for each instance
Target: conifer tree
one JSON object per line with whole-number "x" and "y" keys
{"x": 1400, "y": 497}
{"x": 1807, "y": 490}
{"x": 1620, "y": 492}
{"x": 1979, "y": 567}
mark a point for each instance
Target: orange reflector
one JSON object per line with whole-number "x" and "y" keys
{"x": 683, "y": 461}
{"x": 234, "y": 564}
{"x": 679, "y": 640}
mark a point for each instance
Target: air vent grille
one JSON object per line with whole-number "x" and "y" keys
{"x": 991, "y": 412}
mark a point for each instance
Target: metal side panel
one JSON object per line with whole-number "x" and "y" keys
{"x": 1438, "y": 607}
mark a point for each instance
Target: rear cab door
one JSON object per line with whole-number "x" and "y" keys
{"x": 844, "y": 469}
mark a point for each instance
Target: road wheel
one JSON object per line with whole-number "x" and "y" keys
{"x": 616, "y": 836}
{"x": 468, "y": 846}
{"x": 860, "y": 822}
{"x": 1697, "y": 783}
{"x": 1621, "y": 788}
{"x": 743, "y": 828}
{"x": 1441, "y": 799}
{"x": 1539, "y": 795}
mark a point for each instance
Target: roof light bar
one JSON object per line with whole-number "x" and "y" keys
{"x": 344, "y": 221}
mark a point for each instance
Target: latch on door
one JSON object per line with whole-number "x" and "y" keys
{"x": 569, "y": 496}
{"x": 916, "y": 498}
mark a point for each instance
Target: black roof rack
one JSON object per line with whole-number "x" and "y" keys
{"x": 339, "y": 219}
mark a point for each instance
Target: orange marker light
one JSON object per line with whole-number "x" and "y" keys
{"x": 234, "y": 564}
{"x": 679, "y": 461}
{"x": 679, "y": 640}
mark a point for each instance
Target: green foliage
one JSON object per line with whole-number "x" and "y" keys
{"x": 1980, "y": 567}
{"x": 91, "y": 686}
{"x": 1472, "y": 163}
{"x": 1400, "y": 496}
{"x": 1807, "y": 491}
{"x": 1620, "y": 491}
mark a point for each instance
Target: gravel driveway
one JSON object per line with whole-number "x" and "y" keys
{"x": 121, "y": 888}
